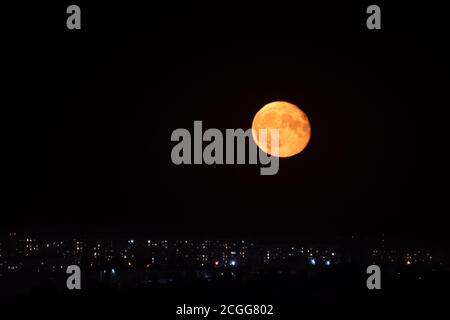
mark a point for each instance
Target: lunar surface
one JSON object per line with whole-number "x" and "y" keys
{"x": 292, "y": 123}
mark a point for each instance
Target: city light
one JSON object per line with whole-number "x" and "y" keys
{"x": 44, "y": 256}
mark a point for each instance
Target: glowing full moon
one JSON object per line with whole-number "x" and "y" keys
{"x": 292, "y": 123}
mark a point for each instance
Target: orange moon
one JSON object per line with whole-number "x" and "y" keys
{"x": 292, "y": 123}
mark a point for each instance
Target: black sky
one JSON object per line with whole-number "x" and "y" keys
{"x": 90, "y": 123}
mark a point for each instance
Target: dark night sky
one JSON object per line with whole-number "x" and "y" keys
{"x": 90, "y": 123}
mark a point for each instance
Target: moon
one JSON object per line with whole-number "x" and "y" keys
{"x": 292, "y": 123}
